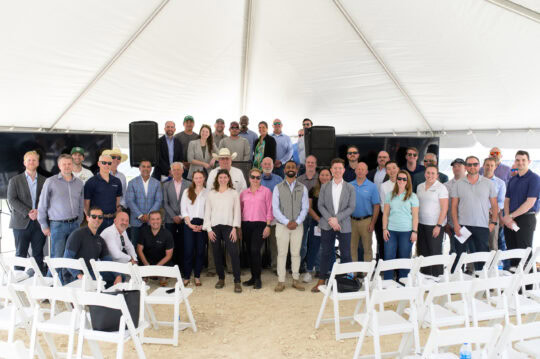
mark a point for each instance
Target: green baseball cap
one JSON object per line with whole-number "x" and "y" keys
{"x": 189, "y": 118}
{"x": 77, "y": 150}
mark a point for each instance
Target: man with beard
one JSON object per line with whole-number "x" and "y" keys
{"x": 170, "y": 150}
{"x": 77, "y": 153}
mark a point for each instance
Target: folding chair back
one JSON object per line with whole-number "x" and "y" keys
{"x": 17, "y": 275}
{"x": 13, "y": 314}
{"x": 160, "y": 271}
{"x": 518, "y": 253}
{"x": 519, "y": 333}
{"x": 484, "y": 286}
{"x": 444, "y": 260}
{"x": 478, "y": 335}
{"x": 434, "y": 314}
{"x": 59, "y": 263}
{"x": 532, "y": 263}
{"x": 390, "y": 265}
{"x": 382, "y": 296}
{"x": 15, "y": 350}
{"x": 471, "y": 258}
{"x": 109, "y": 266}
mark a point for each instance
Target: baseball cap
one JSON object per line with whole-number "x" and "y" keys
{"x": 77, "y": 150}
{"x": 457, "y": 161}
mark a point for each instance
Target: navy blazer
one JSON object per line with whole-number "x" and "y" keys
{"x": 163, "y": 166}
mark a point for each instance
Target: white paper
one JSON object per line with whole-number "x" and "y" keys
{"x": 465, "y": 234}
{"x": 317, "y": 231}
{"x": 515, "y": 227}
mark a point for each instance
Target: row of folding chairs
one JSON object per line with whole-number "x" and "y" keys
{"x": 17, "y": 287}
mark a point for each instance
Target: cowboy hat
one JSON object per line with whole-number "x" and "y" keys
{"x": 224, "y": 152}
{"x": 115, "y": 152}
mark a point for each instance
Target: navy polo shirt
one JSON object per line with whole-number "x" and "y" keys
{"x": 102, "y": 193}
{"x": 522, "y": 187}
{"x": 366, "y": 196}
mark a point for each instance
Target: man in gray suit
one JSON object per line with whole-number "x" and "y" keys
{"x": 23, "y": 197}
{"x": 172, "y": 195}
{"x": 337, "y": 201}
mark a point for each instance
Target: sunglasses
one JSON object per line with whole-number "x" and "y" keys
{"x": 116, "y": 157}
{"x": 277, "y": 123}
{"x": 352, "y": 153}
{"x": 106, "y": 163}
{"x": 255, "y": 177}
{"x": 412, "y": 154}
{"x": 300, "y": 135}
{"x": 404, "y": 179}
{"x": 429, "y": 161}
{"x": 494, "y": 153}
{"x": 476, "y": 164}
{"x": 234, "y": 128}
{"x": 98, "y": 216}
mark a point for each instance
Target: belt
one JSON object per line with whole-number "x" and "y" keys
{"x": 360, "y": 218}
{"x": 64, "y": 220}
{"x": 110, "y": 215}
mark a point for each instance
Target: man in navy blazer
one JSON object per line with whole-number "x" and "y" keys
{"x": 170, "y": 150}
{"x": 23, "y": 197}
{"x": 143, "y": 196}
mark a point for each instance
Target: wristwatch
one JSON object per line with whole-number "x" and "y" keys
{"x": 492, "y": 222}
{"x": 439, "y": 225}
{"x": 414, "y": 231}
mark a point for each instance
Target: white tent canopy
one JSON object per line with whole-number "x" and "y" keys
{"x": 389, "y": 66}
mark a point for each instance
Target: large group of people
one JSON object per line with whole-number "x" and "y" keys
{"x": 195, "y": 207}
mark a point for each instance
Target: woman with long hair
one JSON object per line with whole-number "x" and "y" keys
{"x": 400, "y": 222}
{"x": 192, "y": 209}
{"x": 265, "y": 146}
{"x": 199, "y": 153}
{"x": 313, "y": 256}
{"x": 433, "y": 200}
{"x": 222, "y": 216}
{"x": 256, "y": 203}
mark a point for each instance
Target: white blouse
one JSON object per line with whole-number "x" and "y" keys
{"x": 193, "y": 210}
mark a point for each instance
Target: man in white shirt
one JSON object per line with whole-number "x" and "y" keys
{"x": 225, "y": 162}
{"x": 77, "y": 153}
{"x": 120, "y": 247}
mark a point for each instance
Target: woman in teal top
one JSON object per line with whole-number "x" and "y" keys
{"x": 400, "y": 222}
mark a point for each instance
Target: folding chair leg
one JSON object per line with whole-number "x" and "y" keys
{"x": 190, "y": 315}
{"x": 360, "y": 342}
{"x": 176, "y": 320}
{"x": 120, "y": 345}
{"x": 336, "y": 319}
{"x": 50, "y": 343}
{"x": 152, "y": 316}
{"x": 321, "y": 312}
{"x": 377, "y": 346}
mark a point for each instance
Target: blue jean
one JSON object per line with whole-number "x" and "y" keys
{"x": 305, "y": 239}
{"x": 59, "y": 235}
{"x": 501, "y": 244}
{"x": 107, "y": 222}
{"x": 135, "y": 233}
{"x": 313, "y": 248}
{"x": 398, "y": 246}
{"x": 194, "y": 248}
{"x": 327, "y": 248}
{"x": 30, "y": 236}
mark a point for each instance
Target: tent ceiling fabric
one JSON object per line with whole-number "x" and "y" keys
{"x": 464, "y": 64}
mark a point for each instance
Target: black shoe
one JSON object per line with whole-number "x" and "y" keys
{"x": 250, "y": 282}
{"x": 258, "y": 284}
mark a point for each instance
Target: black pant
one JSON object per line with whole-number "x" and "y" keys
{"x": 252, "y": 235}
{"x": 30, "y": 236}
{"x": 178, "y": 237}
{"x": 427, "y": 245}
{"x": 478, "y": 242}
{"x": 522, "y": 238}
{"x": 222, "y": 234}
{"x": 380, "y": 237}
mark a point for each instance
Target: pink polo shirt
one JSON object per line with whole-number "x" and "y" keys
{"x": 256, "y": 207}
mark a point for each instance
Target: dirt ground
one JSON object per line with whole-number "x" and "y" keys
{"x": 253, "y": 324}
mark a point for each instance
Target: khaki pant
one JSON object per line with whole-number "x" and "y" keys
{"x": 494, "y": 239}
{"x": 284, "y": 238}
{"x": 360, "y": 232}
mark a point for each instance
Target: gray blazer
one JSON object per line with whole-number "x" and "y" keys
{"x": 347, "y": 203}
{"x": 20, "y": 199}
{"x": 170, "y": 203}
{"x": 195, "y": 152}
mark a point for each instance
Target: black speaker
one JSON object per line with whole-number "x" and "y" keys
{"x": 143, "y": 142}
{"x": 320, "y": 141}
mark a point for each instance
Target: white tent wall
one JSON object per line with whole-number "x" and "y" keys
{"x": 362, "y": 66}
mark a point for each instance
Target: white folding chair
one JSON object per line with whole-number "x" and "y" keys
{"x": 121, "y": 268}
{"x": 161, "y": 295}
{"x": 531, "y": 279}
{"x": 485, "y": 336}
{"x": 523, "y": 304}
{"x": 22, "y": 277}
{"x": 386, "y": 322}
{"x": 59, "y": 263}
{"x": 481, "y": 309}
{"x": 522, "y": 335}
{"x": 121, "y": 336}
{"x": 484, "y": 258}
{"x": 534, "y": 262}
{"x": 518, "y": 253}
{"x": 15, "y": 350}
{"x": 331, "y": 291}
{"x": 392, "y": 265}
{"x": 65, "y": 323}
{"x": 433, "y": 314}
{"x": 444, "y": 260}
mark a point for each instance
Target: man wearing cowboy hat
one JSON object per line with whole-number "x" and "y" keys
{"x": 170, "y": 150}
{"x": 117, "y": 158}
{"x": 225, "y": 162}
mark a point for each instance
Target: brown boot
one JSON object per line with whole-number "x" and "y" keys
{"x": 237, "y": 288}
{"x": 296, "y": 285}
{"x": 316, "y": 288}
{"x": 280, "y": 287}
{"x": 220, "y": 284}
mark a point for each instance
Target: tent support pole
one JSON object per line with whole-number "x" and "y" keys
{"x": 111, "y": 62}
{"x": 516, "y": 8}
{"x": 245, "y": 55}
{"x": 381, "y": 62}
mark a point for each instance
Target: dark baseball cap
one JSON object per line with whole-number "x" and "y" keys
{"x": 220, "y": 120}
{"x": 459, "y": 161}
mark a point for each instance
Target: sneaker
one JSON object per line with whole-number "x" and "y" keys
{"x": 250, "y": 282}
{"x": 306, "y": 278}
{"x": 237, "y": 288}
{"x": 220, "y": 284}
{"x": 296, "y": 285}
{"x": 280, "y": 287}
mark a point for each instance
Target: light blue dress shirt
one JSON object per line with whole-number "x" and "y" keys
{"x": 32, "y": 185}
{"x": 284, "y": 147}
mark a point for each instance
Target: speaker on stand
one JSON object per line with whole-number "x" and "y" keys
{"x": 320, "y": 141}
{"x": 143, "y": 142}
